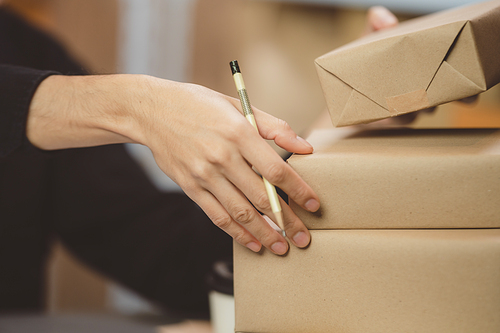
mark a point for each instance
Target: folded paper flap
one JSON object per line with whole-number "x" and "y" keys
{"x": 450, "y": 83}
{"x": 404, "y": 63}
{"x": 464, "y": 57}
{"x": 360, "y": 108}
{"x": 342, "y": 92}
{"x": 486, "y": 29}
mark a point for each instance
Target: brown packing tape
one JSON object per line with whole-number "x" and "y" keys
{"x": 412, "y": 101}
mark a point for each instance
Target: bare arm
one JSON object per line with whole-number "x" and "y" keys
{"x": 199, "y": 138}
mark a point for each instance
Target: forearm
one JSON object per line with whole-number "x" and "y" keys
{"x": 82, "y": 111}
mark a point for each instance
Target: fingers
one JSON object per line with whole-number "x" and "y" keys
{"x": 279, "y": 173}
{"x": 253, "y": 188}
{"x": 379, "y": 17}
{"x": 259, "y": 154}
{"x": 294, "y": 228}
{"x": 228, "y": 208}
{"x": 219, "y": 216}
{"x": 278, "y": 130}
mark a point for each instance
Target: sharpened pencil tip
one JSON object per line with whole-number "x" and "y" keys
{"x": 279, "y": 222}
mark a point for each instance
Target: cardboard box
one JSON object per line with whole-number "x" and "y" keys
{"x": 425, "y": 275}
{"x": 403, "y": 178}
{"x": 367, "y": 281}
{"x": 419, "y": 64}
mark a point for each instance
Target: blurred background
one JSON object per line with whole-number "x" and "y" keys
{"x": 275, "y": 43}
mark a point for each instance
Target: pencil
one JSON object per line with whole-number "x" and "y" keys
{"x": 248, "y": 113}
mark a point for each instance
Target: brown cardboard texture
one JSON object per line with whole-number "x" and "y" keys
{"x": 421, "y": 63}
{"x": 404, "y": 178}
{"x": 373, "y": 281}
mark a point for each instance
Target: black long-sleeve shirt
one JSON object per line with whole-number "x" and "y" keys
{"x": 96, "y": 200}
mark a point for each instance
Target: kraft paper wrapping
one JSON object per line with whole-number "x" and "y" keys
{"x": 403, "y": 178}
{"x": 373, "y": 281}
{"x": 421, "y": 63}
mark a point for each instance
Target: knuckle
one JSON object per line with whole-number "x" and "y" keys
{"x": 284, "y": 125}
{"x": 300, "y": 193}
{"x": 218, "y": 156}
{"x": 238, "y": 127}
{"x": 240, "y": 237}
{"x": 269, "y": 238}
{"x": 243, "y": 215}
{"x": 222, "y": 221}
{"x": 276, "y": 173}
{"x": 262, "y": 201}
{"x": 201, "y": 171}
{"x": 239, "y": 131}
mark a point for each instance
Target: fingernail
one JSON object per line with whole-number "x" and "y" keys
{"x": 254, "y": 246}
{"x": 279, "y": 248}
{"x": 301, "y": 239}
{"x": 304, "y": 142}
{"x": 312, "y": 205}
{"x": 387, "y": 17}
{"x": 390, "y": 20}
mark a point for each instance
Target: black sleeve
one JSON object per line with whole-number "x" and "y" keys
{"x": 27, "y": 56}
{"x": 96, "y": 200}
{"x": 17, "y": 87}
{"x": 107, "y": 213}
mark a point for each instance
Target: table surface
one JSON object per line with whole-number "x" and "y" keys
{"x": 95, "y": 323}
{"x": 71, "y": 323}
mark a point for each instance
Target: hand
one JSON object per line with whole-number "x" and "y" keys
{"x": 199, "y": 138}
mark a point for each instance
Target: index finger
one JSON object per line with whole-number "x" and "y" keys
{"x": 271, "y": 166}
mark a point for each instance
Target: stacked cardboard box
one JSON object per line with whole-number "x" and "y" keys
{"x": 408, "y": 235}
{"x": 407, "y": 240}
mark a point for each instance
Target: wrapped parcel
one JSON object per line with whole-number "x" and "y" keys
{"x": 418, "y": 64}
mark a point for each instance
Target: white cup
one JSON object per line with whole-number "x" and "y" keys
{"x": 221, "y": 297}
